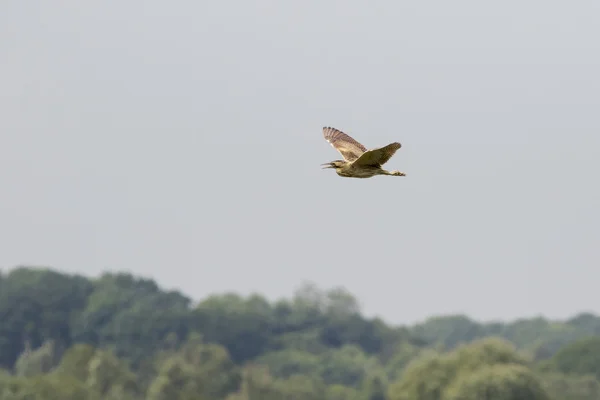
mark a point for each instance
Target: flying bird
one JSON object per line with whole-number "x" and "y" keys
{"x": 358, "y": 162}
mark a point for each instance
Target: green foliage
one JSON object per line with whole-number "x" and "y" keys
{"x": 581, "y": 357}
{"x": 75, "y": 361}
{"x": 424, "y": 379}
{"x": 305, "y": 340}
{"x": 341, "y": 392}
{"x": 586, "y": 322}
{"x": 449, "y": 330}
{"x": 258, "y": 384}
{"x": 241, "y": 325}
{"x": 37, "y": 305}
{"x": 122, "y": 312}
{"x": 571, "y": 387}
{"x": 109, "y": 376}
{"x": 538, "y": 336}
{"x": 44, "y": 387}
{"x": 489, "y": 351}
{"x": 100, "y": 372}
{"x": 374, "y": 387}
{"x": 497, "y": 382}
{"x": 197, "y": 371}
{"x": 401, "y": 357}
{"x": 347, "y": 366}
{"x": 286, "y": 363}
{"x": 466, "y": 372}
{"x": 119, "y": 337}
{"x": 37, "y": 362}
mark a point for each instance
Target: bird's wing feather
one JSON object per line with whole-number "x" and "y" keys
{"x": 377, "y": 157}
{"x": 349, "y": 148}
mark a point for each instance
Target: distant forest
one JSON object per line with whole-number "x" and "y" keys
{"x": 120, "y": 337}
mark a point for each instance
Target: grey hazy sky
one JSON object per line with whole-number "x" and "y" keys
{"x": 182, "y": 140}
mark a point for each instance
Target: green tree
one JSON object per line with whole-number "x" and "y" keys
{"x": 286, "y": 363}
{"x": 44, "y": 387}
{"x": 198, "y": 371}
{"x": 571, "y": 387}
{"x": 404, "y": 353}
{"x": 38, "y": 361}
{"x": 100, "y": 371}
{"x": 75, "y": 361}
{"x": 586, "y": 322}
{"x": 241, "y": 325}
{"x": 131, "y": 316}
{"x": 425, "y": 378}
{"x": 347, "y": 366}
{"x": 258, "y": 384}
{"x": 110, "y": 376}
{"x": 497, "y": 382}
{"x": 487, "y": 351}
{"x": 374, "y": 387}
{"x": 306, "y": 340}
{"x": 341, "y": 392}
{"x": 428, "y": 377}
{"x": 38, "y": 305}
{"x": 120, "y": 337}
{"x": 450, "y": 330}
{"x": 581, "y": 357}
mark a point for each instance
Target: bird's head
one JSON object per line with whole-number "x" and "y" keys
{"x": 334, "y": 164}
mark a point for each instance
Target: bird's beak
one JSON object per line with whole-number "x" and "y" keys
{"x": 327, "y": 165}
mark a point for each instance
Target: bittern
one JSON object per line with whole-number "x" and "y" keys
{"x": 359, "y": 162}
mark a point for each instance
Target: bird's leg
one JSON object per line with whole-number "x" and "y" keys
{"x": 395, "y": 173}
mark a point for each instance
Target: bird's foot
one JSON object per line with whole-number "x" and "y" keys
{"x": 398, "y": 173}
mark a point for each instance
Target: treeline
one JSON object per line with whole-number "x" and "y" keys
{"x": 121, "y": 337}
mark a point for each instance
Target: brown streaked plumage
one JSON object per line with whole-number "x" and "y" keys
{"x": 359, "y": 162}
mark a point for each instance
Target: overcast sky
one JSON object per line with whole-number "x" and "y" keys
{"x": 181, "y": 141}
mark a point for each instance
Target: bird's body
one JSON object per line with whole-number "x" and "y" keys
{"x": 359, "y": 162}
{"x": 351, "y": 171}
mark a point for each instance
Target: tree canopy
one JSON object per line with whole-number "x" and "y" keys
{"x": 119, "y": 336}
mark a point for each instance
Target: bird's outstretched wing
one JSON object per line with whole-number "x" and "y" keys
{"x": 378, "y": 157}
{"x": 349, "y": 148}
